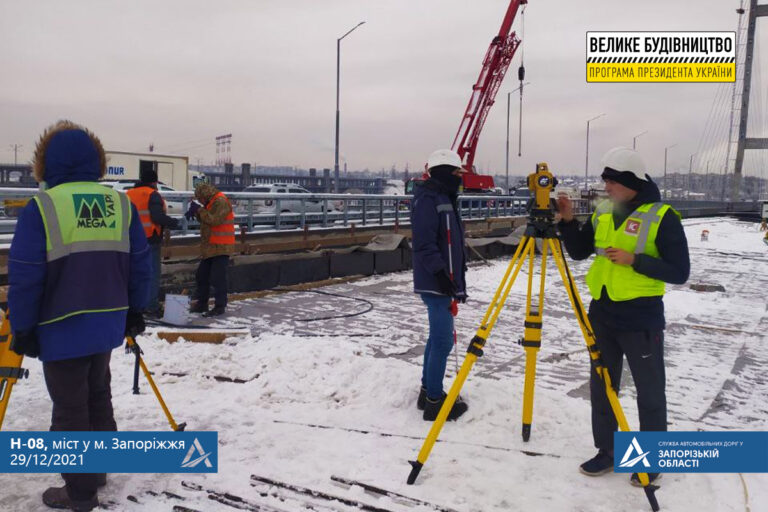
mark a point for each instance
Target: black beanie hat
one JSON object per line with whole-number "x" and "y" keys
{"x": 626, "y": 178}
{"x": 147, "y": 172}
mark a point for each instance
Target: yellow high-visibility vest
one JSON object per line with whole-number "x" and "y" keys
{"x": 637, "y": 235}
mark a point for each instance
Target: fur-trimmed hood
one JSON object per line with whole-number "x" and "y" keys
{"x": 68, "y": 152}
{"x": 204, "y": 192}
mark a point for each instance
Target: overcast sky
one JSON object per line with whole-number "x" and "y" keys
{"x": 179, "y": 72}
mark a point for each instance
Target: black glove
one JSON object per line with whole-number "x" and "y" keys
{"x": 134, "y": 324}
{"x": 194, "y": 206}
{"x": 446, "y": 285}
{"x": 25, "y": 344}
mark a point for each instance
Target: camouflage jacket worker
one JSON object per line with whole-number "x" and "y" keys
{"x": 214, "y": 212}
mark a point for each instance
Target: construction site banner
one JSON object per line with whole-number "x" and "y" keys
{"x": 661, "y": 57}
{"x": 109, "y": 452}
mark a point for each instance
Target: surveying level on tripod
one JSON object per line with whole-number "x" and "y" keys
{"x": 541, "y": 208}
{"x": 541, "y": 183}
{"x": 540, "y": 227}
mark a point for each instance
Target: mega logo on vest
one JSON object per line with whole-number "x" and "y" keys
{"x": 94, "y": 210}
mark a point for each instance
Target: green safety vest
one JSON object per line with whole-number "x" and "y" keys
{"x": 86, "y": 224}
{"x": 637, "y": 235}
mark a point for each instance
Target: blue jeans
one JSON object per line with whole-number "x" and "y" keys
{"x": 154, "y": 283}
{"x": 439, "y": 343}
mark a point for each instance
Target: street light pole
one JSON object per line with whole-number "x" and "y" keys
{"x": 666, "y": 189}
{"x": 16, "y": 148}
{"x": 506, "y": 166}
{"x": 586, "y": 164}
{"x": 690, "y": 170}
{"x": 338, "y": 80}
{"x": 634, "y": 139}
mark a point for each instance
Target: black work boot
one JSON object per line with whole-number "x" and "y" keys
{"x": 422, "y": 400}
{"x": 635, "y": 480}
{"x": 598, "y": 465}
{"x": 432, "y": 408}
{"x": 199, "y": 307}
{"x": 216, "y": 311}
{"x": 57, "y": 497}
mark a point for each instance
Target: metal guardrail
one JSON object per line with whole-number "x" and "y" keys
{"x": 335, "y": 209}
{"x": 365, "y": 209}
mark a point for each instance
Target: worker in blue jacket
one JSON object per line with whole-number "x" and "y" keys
{"x": 439, "y": 266}
{"x": 79, "y": 273}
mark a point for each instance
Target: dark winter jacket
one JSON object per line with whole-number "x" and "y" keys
{"x": 673, "y": 265}
{"x": 157, "y": 213}
{"x": 432, "y": 212}
{"x": 82, "y": 334}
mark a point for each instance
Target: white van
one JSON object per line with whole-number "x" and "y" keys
{"x": 286, "y": 205}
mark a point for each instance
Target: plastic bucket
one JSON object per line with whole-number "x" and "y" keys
{"x": 176, "y": 309}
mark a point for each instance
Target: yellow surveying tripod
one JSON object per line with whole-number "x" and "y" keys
{"x": 132, "y": 347}
{"x": 541, "y": 227}
{"x": 11, "y": 371}
{"x": 10, "y": 365}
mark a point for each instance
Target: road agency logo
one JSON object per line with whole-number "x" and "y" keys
{"x": 634, "y": 448}
{"x": 94, "y": 210}
{"x": 200, "y": 455}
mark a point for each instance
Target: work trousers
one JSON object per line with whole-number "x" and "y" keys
{"x": 154, "y": 283}
{"x": 645, "y": 354}
{"x": 439, "y": 343}
{"x": 82, "y": 401}
{"x": 212, "y": 272}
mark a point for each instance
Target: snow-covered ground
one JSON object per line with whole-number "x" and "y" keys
{"x": 337, "y": 396}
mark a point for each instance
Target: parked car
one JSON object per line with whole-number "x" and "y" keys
{"x": 175, "y": 208}
{"x": 286, "y": 205}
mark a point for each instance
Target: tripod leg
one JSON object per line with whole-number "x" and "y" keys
{"x": 595, "y": 360}
{"x": 140, "y": 363}
{"x": 171, "y": 421}
{"x": 474, "y": 351}
{"x": 521, "y": 250}
{"x": 10, "y": 366}
{"x": 531, "y": 340}
{"x": 488, "y": 323}
{"x": 136, "y": 373}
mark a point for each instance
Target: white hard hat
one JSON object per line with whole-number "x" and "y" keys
{"x": 624, "y": 159}
{"x": 444, "y": 157}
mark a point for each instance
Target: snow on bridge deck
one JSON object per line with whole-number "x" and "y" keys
{"x": 362, "y": 373}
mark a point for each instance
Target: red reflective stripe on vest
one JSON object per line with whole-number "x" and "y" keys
{"x": 140, "y": 198}
{"x": 223, "y": 234}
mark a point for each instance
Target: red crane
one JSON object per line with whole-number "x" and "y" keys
{"x": 495, "y": 65}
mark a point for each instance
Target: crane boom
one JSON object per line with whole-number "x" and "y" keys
{"x": 495, "y": 65}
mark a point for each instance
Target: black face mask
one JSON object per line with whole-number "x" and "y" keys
{"x": 446, "y": 178}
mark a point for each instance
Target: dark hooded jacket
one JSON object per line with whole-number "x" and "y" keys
{"x": 672, "y": 266}
{"x": 87, "y": 333}
{"x": 432, "y": 212}
{"x": 157, "y": 212}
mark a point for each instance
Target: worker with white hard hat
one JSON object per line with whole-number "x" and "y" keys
{"x": 639, "y": 245}
{"x": 439, "y": 266}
